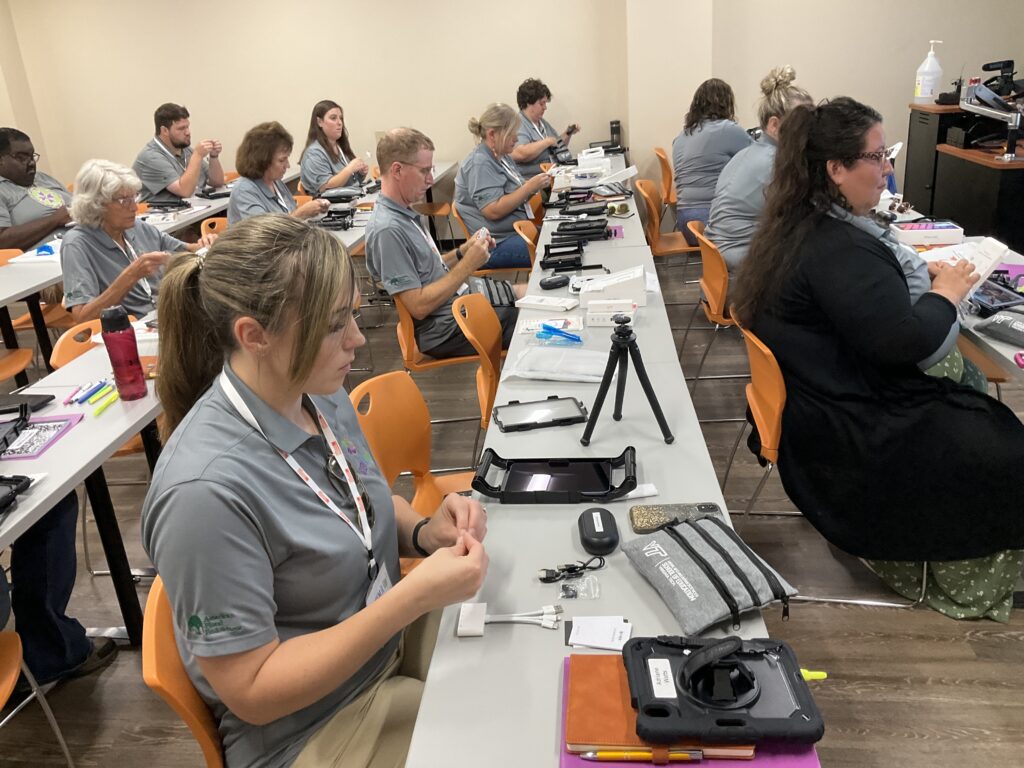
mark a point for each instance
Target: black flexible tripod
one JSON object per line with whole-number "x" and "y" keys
{"x": 624, "y": 339}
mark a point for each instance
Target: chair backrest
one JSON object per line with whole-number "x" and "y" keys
{"x": 482, "y": 328}
{"x": 75, "y": 341}
{"x": 215, "y": 225}
{"x": 230, "y": 176}
{"x": 458, "y": 218}
{"x": 6, "y": 254}
{"x": 406, "y": 331}
{"x": 652, "y": 205}
{"x": 301, "y": 200}
{"x": 396, "y": 423}
{"x": 668, "y": 183}
{"x": 300, "y": 189}
{"x": 529, "y": 232}
{"x": 537, "y": 206}
{"x": 164, "y": 672}
{"x": 714, "y": 279}
{"x": 766, "y": 394}
{"x": 10, "y": 664}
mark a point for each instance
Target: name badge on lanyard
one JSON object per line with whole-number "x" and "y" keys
{"x": 380, "y": 581}
{"x": 280, "y": 200}
{"x": 433, "y": 247}
{"x": 131, "y": 255}
{"x": 513, "y": 174}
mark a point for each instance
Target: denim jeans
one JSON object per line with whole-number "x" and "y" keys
{"x": 43, "y": 569}
{"x": 684, "y": 215}
{"x": 510, "y": 252}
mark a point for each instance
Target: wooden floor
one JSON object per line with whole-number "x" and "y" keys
{"x": 905, "y": 688}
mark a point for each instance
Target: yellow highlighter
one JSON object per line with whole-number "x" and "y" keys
{"x": 642, "y": 756}
{"x": 111, "y": 398}
{"x": 100, "y": 395}
{"x": 813, "y": 674}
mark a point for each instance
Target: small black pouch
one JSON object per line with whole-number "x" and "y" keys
{"x": 498, "y": 292}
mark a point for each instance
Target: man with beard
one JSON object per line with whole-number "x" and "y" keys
{"x": 169, "y": 167}
{"x": 33, "y": 205}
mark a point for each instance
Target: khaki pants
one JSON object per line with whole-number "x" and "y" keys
{"x": 374, "y": 730}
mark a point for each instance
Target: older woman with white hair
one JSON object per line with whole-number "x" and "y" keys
{"x": 489, "y": 192}
{"x": 111, "y": 257}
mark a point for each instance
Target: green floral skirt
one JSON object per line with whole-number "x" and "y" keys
{"x": 961, "y": 589}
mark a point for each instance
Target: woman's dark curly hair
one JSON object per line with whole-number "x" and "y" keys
{"x": 532, "y": 90}
{"x": 713, "y": 100}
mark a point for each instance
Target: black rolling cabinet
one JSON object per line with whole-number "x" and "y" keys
{"x": 929, "y": 124}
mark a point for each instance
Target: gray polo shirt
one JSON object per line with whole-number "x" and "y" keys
{"x": 248, "y": 553}
{"x": 739, "y": 200}
{"x": 481, "y": 180}
{"x": 156, "y": 166}
{"x": 21, "y": 205}
{"x": 529, "y": 133}
{"x": 251, "y": 197}
{"x": 318, "y": 168}
{"x": 91, "y": 261}
{"x": 699, "y": 157}
{"x": 400, "y": 257}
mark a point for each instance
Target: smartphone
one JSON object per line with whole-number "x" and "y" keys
{"x": 645, "y": 518}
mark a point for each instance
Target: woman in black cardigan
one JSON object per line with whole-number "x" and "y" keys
{"x": 886, "y": 462}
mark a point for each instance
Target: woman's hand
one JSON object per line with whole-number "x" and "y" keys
{"x": 954, "y": 281}
{"x": 452, "y": 574}
{"x": 357, "y": 166}
{"x": 455, "y": 515}
{"x": 148, "y": 263}
{"x": 311, "y": 209}
{"x": 536, "y": 183}
{"x": 206, "y": 240}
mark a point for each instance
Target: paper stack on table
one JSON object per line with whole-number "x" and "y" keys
{"x": 985, "y": 256}
{"x": 608, "y": 633}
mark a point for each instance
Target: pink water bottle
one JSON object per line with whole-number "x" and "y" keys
{"x": 119, "y": 338}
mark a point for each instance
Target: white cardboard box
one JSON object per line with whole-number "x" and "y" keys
{"x": 629, "y": 284}
{"x": 927, "y": 232}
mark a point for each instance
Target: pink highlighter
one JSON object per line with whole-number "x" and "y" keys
{"x": 1019, "y": 359}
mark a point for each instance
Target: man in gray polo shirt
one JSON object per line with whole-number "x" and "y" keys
{"x": 33, "y": 205}
{"x": 169, "y": 167}
{"x": 405, "y": 260}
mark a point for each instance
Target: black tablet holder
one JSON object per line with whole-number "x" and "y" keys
{"x": 623, "y": 342}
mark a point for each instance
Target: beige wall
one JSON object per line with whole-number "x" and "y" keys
{"x": 109, "y": 64}
{"x": 83, "y": 77}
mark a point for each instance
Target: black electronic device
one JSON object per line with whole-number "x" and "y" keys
{"x": 13, "y": 403}
{"x": 561, "y": 262}
{"x": 10, "y": 487}
{"x": 950, "y": 98}
{"x": 167, "y": 206}
{"x": 991, "y": 99}
{"x": 1002, "y": 83}
{"x": 598, "y": 208}
{"x": 581, "y": 224}
{"x": 599, "y": 533}
{"x": 583, "y": 236}
{"x": 342, "y": 194}
{"x": 552, "y": 282}
{"x": 556, "y": 481}
{"x": 9, "y": 430}
{"x": 553, "y": 411}
{"x": 335, "y": 220}
{"x": 623, "y": 344}
{"x": 990, "y": 297}
{"x": 213, "y": 193}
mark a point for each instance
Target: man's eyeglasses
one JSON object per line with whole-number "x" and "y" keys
{"x": 426, "y": 170}
{"x": 125, "y": 202}
{"x": 340, "y": 484}
{"x": 25, "y": 157}
{"x": 879, "y": 157}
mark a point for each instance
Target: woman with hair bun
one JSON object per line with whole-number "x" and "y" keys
{"x": 739, "y": 194}
{"x": 888, "y": 463}
{"x": 489, "y": 192}
{"x": 710, "y": 138}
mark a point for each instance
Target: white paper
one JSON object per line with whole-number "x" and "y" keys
{"x": 608, "y": 633}
{"x": 985, "y": 256}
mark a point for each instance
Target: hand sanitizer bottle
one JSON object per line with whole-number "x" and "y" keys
{"x": 929, "y": 76}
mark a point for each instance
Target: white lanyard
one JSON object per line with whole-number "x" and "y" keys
{"x": 539, "y": 129}
{"x": 364, "y": 532}
{"x": 431, "y": 244}
{"x": 513, "y": 174}
{"x": 131, "y": 255}
{"x": 280, "y": 200}
{"x": 171, "y": 155}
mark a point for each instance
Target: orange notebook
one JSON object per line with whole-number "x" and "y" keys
{"x": 598, "y": 715}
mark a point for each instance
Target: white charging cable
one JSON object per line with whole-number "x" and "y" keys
{"x": 473, "y": 617}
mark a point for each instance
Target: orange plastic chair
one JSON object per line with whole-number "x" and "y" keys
{"x": 12, "y": 663}
{"x": 230, "y": 176}
{"x": 529, "y": 232}
{"x": 661, "y": 243}
{"x": 545, "y": 167}
{"x": 412, "y": 358}
{"x": 164, "y": 672}
{"x": 300, "y": 189}
{"x": 668, "y": 182}
{"x": 459, "y": 219}
{"x": 441, "y": 210}
{"x": 215, "y": 225}
{"x": 537, "y": 206}
{"x": 70, "y": 187}
{"x": 301, "y": 200}
{"x": 480, "y": 325}
{"x": 396, "y": 422}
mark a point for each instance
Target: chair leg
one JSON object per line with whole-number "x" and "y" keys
{"x": 757, "y": 491}
{"x": 82, "y": 506}
{"x": 682, "y": 347}
{"x": 475, "y": 458}
{"x": 700, "y": 367}
{"x": 919, "y": 600}
{"x": 38, "y": 694}
{"x": 732, "y": 455}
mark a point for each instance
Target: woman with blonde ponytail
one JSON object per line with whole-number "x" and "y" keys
{"x": 274, "y": 532}
{"x": 490, "y": 193}
{"x": 739, "y": 193}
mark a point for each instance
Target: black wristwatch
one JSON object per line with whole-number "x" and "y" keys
{"x": 416, "y": 537}
{"x": 458, "y": 251}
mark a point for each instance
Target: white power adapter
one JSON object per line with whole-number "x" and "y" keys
{"x": 473, "y": 616}
{"x": 471, "y": 620}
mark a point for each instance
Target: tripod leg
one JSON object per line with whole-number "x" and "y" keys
{"x": 602, "y": 391}
{"x": 620, "y": 385}
{"x": 652, "y": 398}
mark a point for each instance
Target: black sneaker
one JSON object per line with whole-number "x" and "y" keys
{"x": 103, "y": 652}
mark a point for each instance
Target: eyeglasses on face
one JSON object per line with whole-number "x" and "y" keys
{"x": 24, "y": 157}
{"x": 879, "y": 157}
{"x": 426, "y": 170}
{"x": 126, "y": 201}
